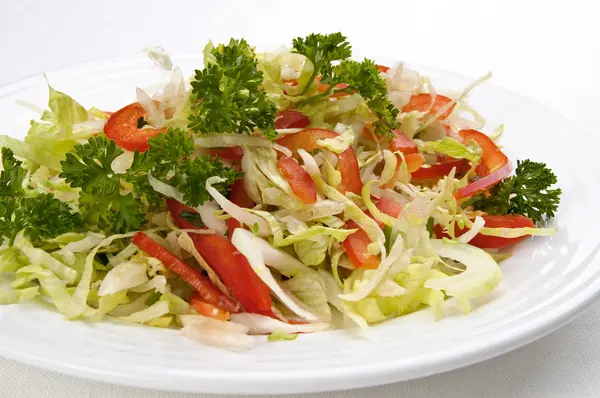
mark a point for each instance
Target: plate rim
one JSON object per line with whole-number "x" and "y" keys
{"x": 313, "y": 381}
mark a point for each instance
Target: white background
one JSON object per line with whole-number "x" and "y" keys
{"x": 547, "y": 50}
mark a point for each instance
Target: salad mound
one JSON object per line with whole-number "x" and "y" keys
{"x": 276, "y": 193}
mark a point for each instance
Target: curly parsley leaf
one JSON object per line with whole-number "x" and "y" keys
{"x": 88, "y": 166}
{"x": 364, "y": 77}
{"x": 137, "y": 176}
{"x": 117, "y": 203}
{"x": 227, "y": 95}
{"x": 40, "y": 216}
{"x": 164, "y": 153}
{"x": 112, "y": 214}
{"x": 170, "y": 159}
{"x": 11, "y": 179}
{"x": 322, "y": 50}
{"x": 195, "y": 173}
{"x": 526, "y": 193}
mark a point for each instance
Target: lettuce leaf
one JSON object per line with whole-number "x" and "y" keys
{"x": 309, "y": 287}
{"x": 49, "y": 139}
{"x": 15, "y": 296}
{"x": 451, "y": 147}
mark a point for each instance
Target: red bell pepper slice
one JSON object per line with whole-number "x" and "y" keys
{"x": 305, "y": 139}
{"x": 176, "y": 208}
{"x": 206, "y": 309}
{"x": 205, "y": 288}
{"x": 422, "y": 102}
{"x": 230, "y": 153}
{"x": 291, "y": 119}
{"x": 389, "y": 207}
{"x": 233, "y": 269}
{"x": 439, "y": 170}
{"x": 413, "y": 162}
{"x": 492, "y": 157}
{"x": 493, "y": 242}
{"x": 402, "y": 143}
{"x": 300, "y": 181}
{"x": 122, "y": 128}
{"x": 239, "y": 197}
{"x": 348, "y": 165}
{"x": 356, "y": 245}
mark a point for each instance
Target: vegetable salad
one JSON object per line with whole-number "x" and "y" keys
{"x": 276, "y": 193}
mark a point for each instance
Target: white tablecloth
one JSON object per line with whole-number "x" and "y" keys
{"x": 547, "y": 50}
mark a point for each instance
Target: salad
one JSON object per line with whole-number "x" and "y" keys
{"x": 276, "y": 193}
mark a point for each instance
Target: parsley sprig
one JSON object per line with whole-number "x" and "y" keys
{"x": 361, "y": 77}
{"x": 107, "y": 206}
{"x": 364, "y": 77}
{"x": 526, "y": 193}
{"x": 38, "y": 216}
{"x": 227, "y": 95}
{"x": 322, "y": 50}
{"x": 89, "y": 167}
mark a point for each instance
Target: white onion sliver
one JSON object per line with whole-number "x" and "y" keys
{"x": 475, "y": 228}
{"x": 207, "y": 215}
{"x": 235, "y": 211}
{"x": 216, "y": 337}
{"x": 260, "y": 324}
{"x": 152, "y": 115}
{"x": 310, "y": 163}
{"x": 283, "y": 150}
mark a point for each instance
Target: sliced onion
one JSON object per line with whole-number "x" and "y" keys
{"x": 153, "y": 116}
{"x": 218, "y": 337}
{"x": 239, "y": 213}
{"x": 282, "y": 149}
{"x": 475, "y": 228}
{"x": 260, "y": 324}
{"x": 310, "y": 165}
{"x": 484, "y": 183}
{"x": 207, "y": 215}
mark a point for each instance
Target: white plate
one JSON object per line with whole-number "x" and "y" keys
{"x": 547, "y": 282}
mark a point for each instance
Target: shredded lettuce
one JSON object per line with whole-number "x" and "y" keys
{"x": 49, "y": 139}
{"x": 310, "y": 289}
{"x": 122, "y": 277}
{"x": 40, "y": 257}
{"x": 340, "y": 143}
{"x": 15, "y": 296}
{"x": 451, "y": 147}
{"x": 160, "y": 57}
{"x": 312, "y": 251}
{"x": 51, "y": 286}
{"x": 367, "y": 285}
{"x": 279, "y": 335}
{"x": 78, "y": 302}
{"x": 239, "y": 213}
{"x": 156, "y": 310}
{"x": 352, "y": 211}
{"x": 245, "y": 242}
